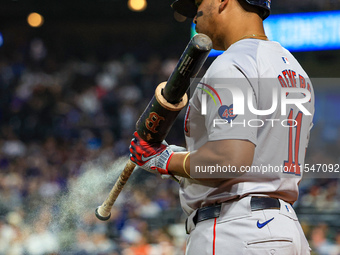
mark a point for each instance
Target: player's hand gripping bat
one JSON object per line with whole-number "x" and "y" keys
{"x": 158, "y": 117}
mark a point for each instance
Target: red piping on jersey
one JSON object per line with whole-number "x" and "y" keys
{"x": 214, "y": 238}
{"x": 213, "y": 90}
{"x": 186, "y": 120}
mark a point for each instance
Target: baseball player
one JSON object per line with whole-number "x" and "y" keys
{"x": 247, "y": 128}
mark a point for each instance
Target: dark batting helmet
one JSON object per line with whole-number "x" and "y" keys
{"x": 188, "y": 8}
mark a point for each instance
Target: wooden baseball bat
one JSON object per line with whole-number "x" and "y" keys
{"x": 158, "y": 117}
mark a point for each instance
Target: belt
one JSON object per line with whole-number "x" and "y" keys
{"x": 256, "y": 203}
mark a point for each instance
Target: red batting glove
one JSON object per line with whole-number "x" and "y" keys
{"x": 153, "y": 157}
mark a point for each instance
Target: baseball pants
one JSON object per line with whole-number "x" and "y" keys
{"x": 240, "y": 230}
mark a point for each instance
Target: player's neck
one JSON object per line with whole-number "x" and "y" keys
{"x": 252, "y": 28}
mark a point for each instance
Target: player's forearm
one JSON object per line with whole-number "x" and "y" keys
{"x": 226, "y": 152}
{"x": 176, "y": 166}
{"x": 181, "y": 163}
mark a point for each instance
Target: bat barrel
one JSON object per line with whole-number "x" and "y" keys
{"x": 187, "y": 67}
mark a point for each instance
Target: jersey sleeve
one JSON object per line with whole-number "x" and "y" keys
{"x": 222, "y": 95}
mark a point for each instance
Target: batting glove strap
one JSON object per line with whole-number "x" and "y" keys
{"x": 159, "y": 163}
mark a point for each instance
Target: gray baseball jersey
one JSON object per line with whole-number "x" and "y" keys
{"x": 250, "y": 73}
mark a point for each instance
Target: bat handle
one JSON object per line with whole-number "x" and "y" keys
{"x": 103, "y": 212}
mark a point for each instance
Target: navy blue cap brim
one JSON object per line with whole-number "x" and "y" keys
{"x": 186, "y": 8}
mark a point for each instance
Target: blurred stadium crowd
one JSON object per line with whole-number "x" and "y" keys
{"x": 56, "y": 116}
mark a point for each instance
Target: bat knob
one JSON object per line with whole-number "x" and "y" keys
{"x": 103, "y": 218}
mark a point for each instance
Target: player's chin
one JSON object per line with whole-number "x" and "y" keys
{"x": 197, "y": 29}
{"x": 200, "y": 29}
